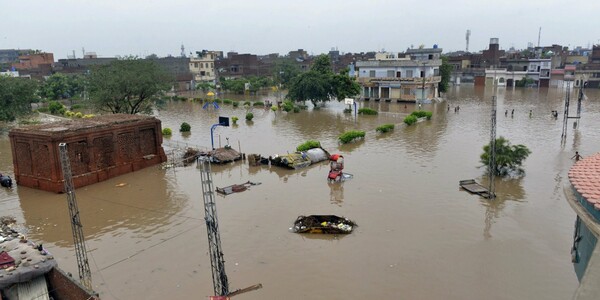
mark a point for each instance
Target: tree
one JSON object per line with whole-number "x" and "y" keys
{"x": 60, "y": 86}
{"x": 509, "y": 158}
{"x": 16, "y": 96}
{"x": 128, "y": 86}
{"x": 284, "y": 71}
{"x": 445, "y": 72}
{"x": 321, "y": 84}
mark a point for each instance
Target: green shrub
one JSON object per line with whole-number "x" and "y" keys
{"x": 78, "y": 115}
{"x": 227, "y": 101}
{"x": 218, "y": 100}
{"x": 310, "y": 144}
{"x": 258, "y": 103}
{"x": 167, "y": 131}
{"x": 410, "y": 119}
{"x": 185, "y": 127}
{"x": 274, "y": 108}
{"x": 351, "y": 135}
{"x": 296, "y": 109}
{"x": 69, "y": 114}
{"x": 236, "y": 103}
{"x": 234, "y": 119}
{"x": 385, "y": 128}
{"x": 303, "y": 106}
{"x": 366, "y": 111}
{"x": 288, "y": 105}
{"x": 76, "y": 106}
{"x": 249, "y": 116}
{"x": 247, "y": 103}
{"x": 43, "y": 109}
{"x": 422, "y": 114}
{"x": 56, "y": 108}
{"x": 347, "y": 110}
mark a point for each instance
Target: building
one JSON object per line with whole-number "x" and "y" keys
{"x": 203, "y": 67}
{"x": 99, "y": 148}
{"x": 590, "y": 72}
{"x": 411, "y": 76}
{"x": 513, "y": 70}
{"x": 35, "y": 65}
{"x": 80, "y": 65}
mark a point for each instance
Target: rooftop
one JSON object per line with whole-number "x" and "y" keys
{"x": 585, "y": 178}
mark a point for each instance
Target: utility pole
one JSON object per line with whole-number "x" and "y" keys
{"x": 492, "y": 156}
{"x": 85, "y": 275}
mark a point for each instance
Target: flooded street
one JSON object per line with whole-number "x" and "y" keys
{"x": 419, "y": 236}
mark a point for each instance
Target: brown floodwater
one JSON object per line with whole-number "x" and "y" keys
{"x": 419, "y": 235}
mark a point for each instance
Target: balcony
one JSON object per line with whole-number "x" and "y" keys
{"x": 399, "y": 80}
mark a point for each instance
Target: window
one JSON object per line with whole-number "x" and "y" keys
{"x": 430, "y": 56}
{"x": 372, "y": 73}
{"x": 202, "y": 73}
{"x": 390, "y": 73}
{"x": 409, "y": 73}
{"x": 436, "y": 72}
{"x": 422, "y": 74}
{"x": 195, "y": 65}
{"x": 398, "y": 74}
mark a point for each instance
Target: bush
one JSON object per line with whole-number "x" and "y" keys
{"x": 185, "y": 127}
{"x": 167, "y": 131}
{"x": 410, "y": 119}
{"x": 78, "y": 115}
{"x": 274, "y": 108}
{"x": 249, "y": 116}
{"x": 76, "y": 106}
{"x": 296, "y": 109}
{"x": 88, "y": 116}
{"x": 258, "y": 103}
{"x": 56, "y": 108}
{"x": 288, "y": 106}
{"x": 351, "y": 135}
{"x": 43, "y": 109}
{"x": 422, "y": 114}
{"x": 236, "y": 103}
{"x": 227, "y": 101}
{"x": 347, "y": 110}
{"x": 68, "y": 114}
{"x": 385, "y": 128}
{"x": 217, "y": 100}
{"x": 303, "y": 106}
{"x": 247, "y": 103}
{"x": 234, "y": 119}
{"x": 310, "y": 144}
{"x": 366, "y": 111}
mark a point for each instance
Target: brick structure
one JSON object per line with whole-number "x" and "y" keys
{"x": 99, "y": 148}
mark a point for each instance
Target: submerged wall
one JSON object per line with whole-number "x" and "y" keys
{"x": 99, "y": 148}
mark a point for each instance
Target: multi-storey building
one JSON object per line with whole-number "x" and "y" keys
{"x": 203, "y": 66}
{"x": 410, "y": 76}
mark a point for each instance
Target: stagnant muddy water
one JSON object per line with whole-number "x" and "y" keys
{"x": 419, "y": 235}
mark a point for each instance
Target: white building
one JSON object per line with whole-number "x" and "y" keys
{"x": 203, "y": 66}
{"x": 410, "y": 76}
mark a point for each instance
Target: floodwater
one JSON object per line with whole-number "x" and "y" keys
{"x": 419, "y": 236}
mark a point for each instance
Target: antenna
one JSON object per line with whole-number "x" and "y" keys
{"x": 83, "y": 52}
{"x": 467, "y": 38}
{"x": 539, "y": 35}
{"x": 182, "y": 50}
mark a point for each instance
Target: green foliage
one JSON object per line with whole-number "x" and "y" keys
{"x": 179, "y": 98}
{"x": 288, "y": 106}
{"x": 509, "y": 158}
{"x": 227, "y": 101}
{"x": 43, "y": 109}
{"x": 422, "y": 114}
{"x": 238, "y": 85}
{"x": 410, "y": 119}
{"x": 385, "y": 128}
{"x": 445, "y": 72}
{"x": 347, "y": 110}
{"x": 249, "y": 116}
{"x": 247, "y": 103}
{"x": 235, "y": 103}
{"x": 349, "y": 136}
{"x": 296, "y": 109}
{"x": 76, "y": 106}
{"x": 366, "y": 111}
{"x": 61, "y": 86}
{"x": 56, "y": 108}
{"x": 16, "y": 96}
{"x": 525, "y": 81}
{"x": 321, "y": 84}
{"x": 258, "y": 103}
{"x": 185, "y": 127}
{"x": 205, "y": 87}
{"x": 310, "y": 144}
{"x": 285, "y": 70}
{"x": 274, "y": 108}
{"x": 167, "y": 131}
{"x": 127, "y": 86}
{"x": 234, "y": 119}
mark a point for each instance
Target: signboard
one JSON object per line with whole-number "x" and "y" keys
{"x": 349, "y": 101}
{"x": 224, "y": 121}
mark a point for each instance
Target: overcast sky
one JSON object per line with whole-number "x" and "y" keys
{"x": 143, "y": 27}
